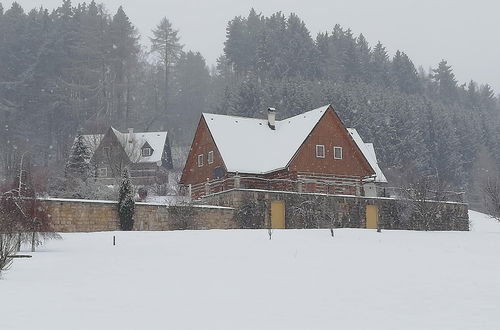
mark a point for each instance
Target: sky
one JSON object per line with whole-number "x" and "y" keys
{"x": 465, "y": 33}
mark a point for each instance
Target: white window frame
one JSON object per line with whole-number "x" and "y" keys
{"x": 318, "y": 148}
{"x": 210, "y": 157}
{"x": 335, "y": 149}
{"x": 102, "y": 170}
{"x": 149, "y": 153}
{"x": 200, "y": 160}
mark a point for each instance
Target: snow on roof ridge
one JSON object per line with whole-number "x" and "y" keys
{"x": 265, "y": 119}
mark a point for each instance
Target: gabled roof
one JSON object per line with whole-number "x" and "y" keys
{"x": 248, "y": 145}
{"x": 156, "y": 141}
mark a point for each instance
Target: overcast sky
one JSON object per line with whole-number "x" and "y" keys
{"x": 466, "y": 33}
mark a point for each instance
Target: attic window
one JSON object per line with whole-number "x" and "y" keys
{"x": 200, "y": 160}
{"x": 146, "y": 152}
{"x": 320, "y": 151}
{"x": 210, "y": 157}
{"x": 102, "y": 172}
{"x": 337, "y": 153}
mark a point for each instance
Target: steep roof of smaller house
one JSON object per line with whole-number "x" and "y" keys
{"x": 369, "y": 152}
{"x": 156, "y": 141}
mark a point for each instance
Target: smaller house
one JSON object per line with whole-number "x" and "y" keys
{"x": 147, "y": 155}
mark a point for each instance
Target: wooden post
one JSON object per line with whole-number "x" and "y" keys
{"x": 237, "y": 181}
{"x": 207, "y": 187}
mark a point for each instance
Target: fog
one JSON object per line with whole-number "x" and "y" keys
{"x": 464, "y": 33}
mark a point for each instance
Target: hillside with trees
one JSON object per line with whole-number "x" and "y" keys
{"x": 80, "y": 67}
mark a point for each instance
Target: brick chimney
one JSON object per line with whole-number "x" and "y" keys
{"x": 271, "y": 118}
{"x": 130, "y": 135}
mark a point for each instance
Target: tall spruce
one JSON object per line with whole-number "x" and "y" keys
{"x": 126, "y": 204}
{"x": 78, "y": 165}
{"x": 165, "y": 43}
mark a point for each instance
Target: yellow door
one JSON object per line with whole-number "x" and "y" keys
{"x": 371, "y": 216}
{"x": 278, "y": 215}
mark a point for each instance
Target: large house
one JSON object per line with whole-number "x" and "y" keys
{"x": 147, "y": 155}
{"x": 311, "y": 152}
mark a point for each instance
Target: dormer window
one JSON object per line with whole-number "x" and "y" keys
{"x": 146, "y": 152}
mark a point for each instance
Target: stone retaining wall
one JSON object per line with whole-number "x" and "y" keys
{"x": 88, "y": 216}
{"x": 324, "y": 211}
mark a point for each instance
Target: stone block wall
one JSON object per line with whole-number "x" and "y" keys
{"x": 323, "y": 211}
{"x": 88, "y": 216}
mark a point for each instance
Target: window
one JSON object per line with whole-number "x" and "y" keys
{"x": 337, "y": 153}
{"x": 210, "y": 157}
{"x": 218, "y": 173}
{"x": 102, "y": 172}
{"x": 106, "y": 151}
{"x": 146, "y": 152}
{"x": 320, "y": 151}
{"x": 200, "y": 160}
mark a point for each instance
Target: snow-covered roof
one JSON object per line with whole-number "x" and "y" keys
{"x": 369, "y": 152}
{"x": 156, "y": 141}
{"x": 248, "y": 145}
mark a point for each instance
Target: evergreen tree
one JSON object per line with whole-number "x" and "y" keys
{"x": 404, "y": 75}
{"x": 379, "y": 65}
{"x": 445, "y": 79}
{"x": 78, "y": 165}
{"x": 165, "y": 43}
{"x": 123, "y": 37}
{"x": 126, "y": 204}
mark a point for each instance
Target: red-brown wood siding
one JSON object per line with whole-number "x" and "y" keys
{"x": 202, "y": 144}
{"x": 330, "y": 132}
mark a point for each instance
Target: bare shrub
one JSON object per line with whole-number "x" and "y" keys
{"x": 491, "y": 195}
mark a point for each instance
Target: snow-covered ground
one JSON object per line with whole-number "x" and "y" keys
{"x": 239, "y": 279}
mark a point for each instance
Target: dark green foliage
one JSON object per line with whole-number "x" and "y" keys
{"x": 78, "y": 165}
{"x": 126, "y": 204}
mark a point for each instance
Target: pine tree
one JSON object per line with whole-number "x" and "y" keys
{"x": 165, "y": 42}
{"x": 447, "y": 84}
{"x": 126, "y": 204}
{"x": 78, "y": 163}
{"x": 125, "y": 48}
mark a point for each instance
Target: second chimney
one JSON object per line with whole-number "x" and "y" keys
{"x": 130, "y": 135}
{"x": 271, "y": 118}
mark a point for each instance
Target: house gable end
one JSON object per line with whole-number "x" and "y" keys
{"x": 114, "y": 158}
{"x": 202, "y": 144}
{"x": 330, "y": 132}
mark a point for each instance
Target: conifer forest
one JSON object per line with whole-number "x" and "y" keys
{"x": 82, "y": 68}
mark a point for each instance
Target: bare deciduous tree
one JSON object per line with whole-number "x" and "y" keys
{"x": 491, "y": 194}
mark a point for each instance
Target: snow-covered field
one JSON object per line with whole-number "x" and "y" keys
{"x": 301, "y": 279}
